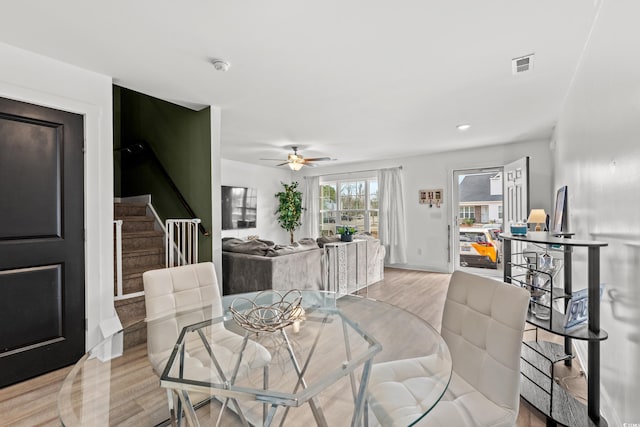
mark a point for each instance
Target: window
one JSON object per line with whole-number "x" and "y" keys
{"x": 467, "y": 212}
{"x": 349, "y": 202}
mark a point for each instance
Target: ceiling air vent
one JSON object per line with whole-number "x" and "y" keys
{"x": 522, "y": 64}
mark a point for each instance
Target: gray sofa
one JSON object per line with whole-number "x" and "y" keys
{"x": 257, "y": 265}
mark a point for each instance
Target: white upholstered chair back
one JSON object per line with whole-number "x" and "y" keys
{"x": 482, "y": 323}
{"x": 175, "y": 297}
{"x": 169, "y": 290}
{"x": 180, "y": 296}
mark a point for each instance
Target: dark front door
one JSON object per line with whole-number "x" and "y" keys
{"x": 41, "y": 240}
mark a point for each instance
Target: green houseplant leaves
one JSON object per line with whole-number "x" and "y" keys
{"x": 346, "y": 232}
{"x": 345, "y": 229}
{"x": 290, "y": 207}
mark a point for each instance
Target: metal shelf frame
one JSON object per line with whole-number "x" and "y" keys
{"x": 590, "y": 332}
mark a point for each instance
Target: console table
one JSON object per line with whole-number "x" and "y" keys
{"x": 346, "y": 266}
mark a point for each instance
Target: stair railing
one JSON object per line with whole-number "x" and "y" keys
{"x": 181, "y": 247}
{"x": 181, "y": 244}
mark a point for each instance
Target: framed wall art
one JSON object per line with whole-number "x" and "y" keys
{"x": 430, "y": 197}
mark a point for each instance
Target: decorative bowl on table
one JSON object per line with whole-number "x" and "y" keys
{"x": 256, "y": 316}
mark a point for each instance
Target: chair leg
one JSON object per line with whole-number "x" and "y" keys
{"x": 265, "y": 385}
{"x": 366, "y": 413}
{"x": 175, "y": 418}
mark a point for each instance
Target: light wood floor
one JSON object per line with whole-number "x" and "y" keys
{"x": 34, "y": 402}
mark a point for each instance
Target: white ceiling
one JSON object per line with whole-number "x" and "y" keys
{"x": 355, "y": 80}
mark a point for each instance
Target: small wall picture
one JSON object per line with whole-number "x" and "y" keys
{"x": 431, "y": 197}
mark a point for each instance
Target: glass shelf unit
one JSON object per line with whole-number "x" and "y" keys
{"x": 524, "y": 275}
{"x": 538, "y": 387}
{"x": 538, "y": 357}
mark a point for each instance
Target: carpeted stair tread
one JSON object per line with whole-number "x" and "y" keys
{"x": 135, "y": 218}
{"x": 143, "y": 233}
{"x": 132, "y": 240}
{"x": 134, "y": 224}
{"x": 141, "y": 252}
{"x": 136, "y": 271}
{"x": 130, "y": 310}
{"x": 129, "y": 209}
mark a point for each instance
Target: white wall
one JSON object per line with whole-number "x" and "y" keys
{"x": 216, "y": 206}
{"x": 267, "y": 181}
{"x": 597, "y": 155}
{"x": 28, "y": 77}
{"x": 427, "y": 227}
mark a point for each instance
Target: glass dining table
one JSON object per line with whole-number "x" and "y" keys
{"x": 322, "y": 352}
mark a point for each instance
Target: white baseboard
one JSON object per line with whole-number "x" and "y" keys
{"x": 416, "y": 267}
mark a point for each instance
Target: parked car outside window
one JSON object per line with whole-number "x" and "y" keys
{"x": 494, "y": 229}
{"x": 478, "y": 248}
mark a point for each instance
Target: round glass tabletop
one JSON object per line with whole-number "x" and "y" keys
{"x": 322, "y": 365}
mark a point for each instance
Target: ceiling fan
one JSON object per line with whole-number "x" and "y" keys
{"x": 296, "y": 161}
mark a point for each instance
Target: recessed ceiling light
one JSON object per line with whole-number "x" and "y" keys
{"x": 220, "y": 64}
{"x": 463, "y": 126}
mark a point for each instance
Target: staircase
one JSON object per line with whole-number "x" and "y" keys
{"x": 142, "y": 250}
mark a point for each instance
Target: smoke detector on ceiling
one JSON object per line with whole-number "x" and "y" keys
{"x": 522, "y": 64}
{"x": 220, "y": 65}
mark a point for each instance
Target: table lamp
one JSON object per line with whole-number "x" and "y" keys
{"x": 537, "y": 216}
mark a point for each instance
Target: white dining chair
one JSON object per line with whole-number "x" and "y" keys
{"x": 180, "y": 296}
{"x": 482, "y": 324}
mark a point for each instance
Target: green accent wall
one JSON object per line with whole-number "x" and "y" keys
{"x": 117, "y": 131}
{"x": 181, "y": 139}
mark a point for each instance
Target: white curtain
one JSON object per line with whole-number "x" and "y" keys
{"x": 392, "y": 227}
{"x": 311, "y": 204}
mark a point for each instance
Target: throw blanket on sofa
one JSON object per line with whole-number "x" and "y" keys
{"x": 266, "y": 247}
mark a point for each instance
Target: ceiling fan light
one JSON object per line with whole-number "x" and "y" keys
{"x": 295, "y": 166}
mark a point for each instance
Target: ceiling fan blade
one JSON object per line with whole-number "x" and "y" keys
{"x": 311, "y": 165}
{"x": 317, "y": 159}
{"x": 282, "y": 164}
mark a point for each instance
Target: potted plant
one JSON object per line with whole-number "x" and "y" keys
{"x": 290, "y": 207}
{"x": 469, "y": 221}
{"x": 346, "y": 232}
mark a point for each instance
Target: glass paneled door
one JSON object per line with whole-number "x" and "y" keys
{"x": 478, "y": 220}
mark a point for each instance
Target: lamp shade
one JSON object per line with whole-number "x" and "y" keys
{"x": 537, "y": 216}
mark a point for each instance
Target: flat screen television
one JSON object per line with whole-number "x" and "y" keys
{"x": 559, "y": 224}
{"x": 239, "y": 207}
